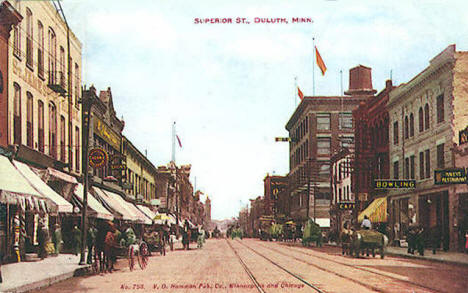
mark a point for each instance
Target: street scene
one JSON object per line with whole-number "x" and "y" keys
{"x": 184, "y": 146}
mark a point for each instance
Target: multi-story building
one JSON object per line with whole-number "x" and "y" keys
{"x": 273, "y": 185}
{"x": 256, "y": 211}
{"x": 319, "y": 127}
{"x": 342, "y": 199}
{"x": 140, "y": 174}
{"x": 42, "y": 115}
{"x": 208, "y": 223}
{"x": 426, "y": 115}
{"x": 243, "y": 221}
{"x": 371, "y": 155}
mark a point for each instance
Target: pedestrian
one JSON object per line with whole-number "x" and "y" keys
{"x": 42, "y": 236}
{"x": 110, "y": 244}
{"x": 57, "y": 238}
{"x": 366, "y": 223}
{"x": 435, "y": 238}
{"x": 76, "y": 235}
{"x": 200, "y": 238}
{"x": 91, "y": 243}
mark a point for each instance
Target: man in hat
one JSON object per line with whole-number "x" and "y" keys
{"x": 57, "y": 238}
{"x": 76, "y": 234}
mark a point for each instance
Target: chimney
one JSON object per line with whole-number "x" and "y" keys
{"x": 360, "y": 81}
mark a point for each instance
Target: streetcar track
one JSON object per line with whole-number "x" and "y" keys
{"x": 347, "y": 265}
{"x": 247, "y": 270}
{"x": 279, "y": 266}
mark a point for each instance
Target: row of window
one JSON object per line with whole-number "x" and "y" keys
{"x": 55, "y": 75}
{"x": 423, "y": 120}
{"x": 342, "y": 194}
{"x": 141, "y": 185}
{"x": 52, "y": 128}
{"x": 424, "y": 164}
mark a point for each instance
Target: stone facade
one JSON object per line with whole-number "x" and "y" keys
{"x": 426, "y": 115}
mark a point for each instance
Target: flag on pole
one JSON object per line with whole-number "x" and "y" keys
{"x": 300, "y": 94}
{"x": 178, "y": 140}
{"x": 320, "y": 62}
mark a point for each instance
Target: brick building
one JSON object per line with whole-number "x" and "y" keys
{"x": 319, "y": 127}
{"x": 273, "y": 186}
{"x": 426, "y": 115}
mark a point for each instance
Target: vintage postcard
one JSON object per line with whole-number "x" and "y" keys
{"x": 233, "y": 146}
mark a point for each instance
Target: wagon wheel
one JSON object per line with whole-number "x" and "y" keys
{"x": 143, "y": 256}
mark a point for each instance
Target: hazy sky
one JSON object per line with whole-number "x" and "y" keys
{"x": 230, "y": 87}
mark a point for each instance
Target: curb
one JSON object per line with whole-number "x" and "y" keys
{"x": 419, "y": 257}
{"x": 50, "y": 280}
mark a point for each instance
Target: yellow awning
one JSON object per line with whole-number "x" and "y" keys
{"x": 376, "y": 211}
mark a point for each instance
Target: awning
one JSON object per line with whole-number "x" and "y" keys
{"x": 376, "y": 211}
{"x": 142, "y": 218}
{"x": 59, "y": 204}
{"x": 162, "y": 218}
{"x": 119, "y": 209}
{"x": 149, "y": 213}
{"x": 96, "y": 208}
{"x": 13, "y": 186}
{"x": 132, "y": 210}
{"x": 62, "y": 176}
{"x": 323, "y": 222}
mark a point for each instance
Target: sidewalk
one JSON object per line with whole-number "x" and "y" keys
{"x": 440, "y": 256}
{"x": 457, "y": 258}
{"x": 26, "y": 276}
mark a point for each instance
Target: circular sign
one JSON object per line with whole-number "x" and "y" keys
{"x": 97, "y": 158}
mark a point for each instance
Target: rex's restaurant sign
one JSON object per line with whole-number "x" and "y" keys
{"x": 106, "y": 133}
{"x": 450, "y": 176}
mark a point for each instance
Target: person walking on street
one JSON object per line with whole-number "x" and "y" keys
{"x": 42, "y": 239}
{"x": 110, "y": 245}
{"x": 57, "y": 239}
{"x": 91, "y": 243}
{"x": 76, "y": 235}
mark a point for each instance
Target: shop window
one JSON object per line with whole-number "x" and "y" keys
{"x": 407, "y": 168}
{"x": 440, "y": 156}
{"x": 440, "y": 109}
{"x": 29, "y": 120}
{"x": 17, "y": 114}
{"x": 323, "y": 121}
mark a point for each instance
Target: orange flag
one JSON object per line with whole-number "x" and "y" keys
{"x": 320, "y": 62}
{"x": 300, "y": 94}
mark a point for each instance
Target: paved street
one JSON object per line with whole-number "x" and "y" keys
{"x": 241, "y": 266}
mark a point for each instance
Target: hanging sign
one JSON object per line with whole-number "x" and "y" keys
{"x": 394, "y": 184}
{"x": 449, "y": 176}
{"x": 97, "y": 158}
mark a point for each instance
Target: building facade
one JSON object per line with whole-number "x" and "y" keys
{"x": 320, "y": 127}
{"x": 140, "y": 174}
{"x": 426, "y": 115}
{"x": 273, "y": 186}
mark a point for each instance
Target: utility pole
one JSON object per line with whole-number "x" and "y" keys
{"x": 88, "y": 97}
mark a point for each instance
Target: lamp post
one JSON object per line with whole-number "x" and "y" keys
{"x": 88, "y": 98}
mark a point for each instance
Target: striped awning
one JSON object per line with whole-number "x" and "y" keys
{"x": 376, "y": 211}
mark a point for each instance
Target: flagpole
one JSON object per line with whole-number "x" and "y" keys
{"x": 313, "y": 67}
{"x": 295, "y": 92}
{"x": 173, "y": 142}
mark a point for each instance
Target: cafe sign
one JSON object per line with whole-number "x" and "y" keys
{"x": 97, "y": 158}
{"x": 346, "y": 205}
{"x": 394, "y": 184}
{"x": 449, "y": 176}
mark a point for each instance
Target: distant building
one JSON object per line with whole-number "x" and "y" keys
{"x": 273, "y": 186}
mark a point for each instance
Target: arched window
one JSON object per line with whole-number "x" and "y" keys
{"x": 406, "y": 127}
{"x": 53, "y": 130}
{"x": 421, "y": 121}
{"x": 29, "y": 38}
{"x": 426, "y": 116}
{"x": 17, "y": 114}
{"x": 411, "y": 125}
{"x": 40, "y": 49}
{"x": 40, "y": 125}
{"x": 52, "y": 56}
{"x": 29, "y": 120}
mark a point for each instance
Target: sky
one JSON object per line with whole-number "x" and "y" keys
{"x": 231, "y": 88}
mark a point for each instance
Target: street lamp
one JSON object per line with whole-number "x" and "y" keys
{"x": 88, "y": 98}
